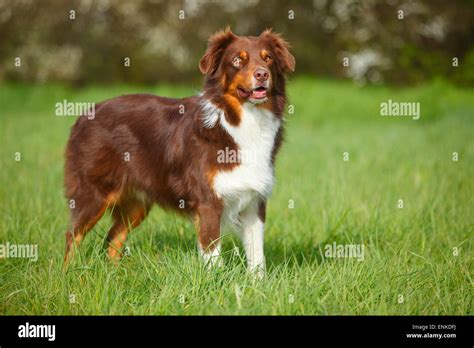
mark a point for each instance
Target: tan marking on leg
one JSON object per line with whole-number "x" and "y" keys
{"x": 74, "y": 238}
{"x": 117, "y": 235}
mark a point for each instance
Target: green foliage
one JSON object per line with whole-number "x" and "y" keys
{"x": 408, "y": 251}
{"x": 166, "y": 47}
{"x": 416, "y": 65}
{"x": 465, "y": 73}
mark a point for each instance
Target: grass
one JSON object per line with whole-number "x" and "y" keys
{"x": 409, "y": 252}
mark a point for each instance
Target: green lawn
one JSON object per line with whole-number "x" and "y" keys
{"x": 410, "y": 266}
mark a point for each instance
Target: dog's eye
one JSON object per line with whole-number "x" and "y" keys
{"x": 267, "y": 58}
{"x": 236, "y": 61}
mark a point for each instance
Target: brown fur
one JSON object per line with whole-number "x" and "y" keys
{"x": 173, "y": 158}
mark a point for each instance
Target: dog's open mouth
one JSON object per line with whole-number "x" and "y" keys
{"x": 258, "y": 93}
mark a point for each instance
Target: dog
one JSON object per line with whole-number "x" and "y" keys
{"x": 210, "y": 157}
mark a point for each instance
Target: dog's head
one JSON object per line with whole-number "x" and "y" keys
{"x": 247, "y": 68}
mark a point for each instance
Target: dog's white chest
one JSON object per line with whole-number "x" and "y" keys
{"x": 254, "y": 175}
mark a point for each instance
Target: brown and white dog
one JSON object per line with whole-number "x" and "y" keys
{"x": 144, "y": 149}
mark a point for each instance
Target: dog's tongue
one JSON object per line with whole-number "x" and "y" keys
{"x": 259, "y": 93}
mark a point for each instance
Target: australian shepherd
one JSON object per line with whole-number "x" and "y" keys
{"x": 210, "y": 157}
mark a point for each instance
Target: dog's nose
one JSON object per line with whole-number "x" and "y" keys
{"x": 261, "y": 75}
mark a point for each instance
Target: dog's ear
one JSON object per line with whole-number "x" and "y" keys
{"x": 215, "y": 50}
{"x": 281, "y": 47}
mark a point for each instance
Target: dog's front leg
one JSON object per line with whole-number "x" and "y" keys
{"x": 252, "y": 232}
{"x": 208, "y": 227}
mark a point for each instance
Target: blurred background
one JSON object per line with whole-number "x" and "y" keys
{"x": 401, "y": 42}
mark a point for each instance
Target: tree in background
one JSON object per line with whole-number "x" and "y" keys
{"x": 85, "y": 41}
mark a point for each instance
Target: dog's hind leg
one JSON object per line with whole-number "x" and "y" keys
{"x": 87, "y": 211}
{"x": 127, "y": 215}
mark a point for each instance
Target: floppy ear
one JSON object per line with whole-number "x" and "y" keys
{"x": 281, "y": 47}
{"x": 215, "y": 50}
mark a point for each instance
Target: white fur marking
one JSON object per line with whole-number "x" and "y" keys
{"x": 252, "y": 238}
{"x": 211, "y": 114}
{"x": 253, "y": 177}
{"x": 212, "y": 257}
